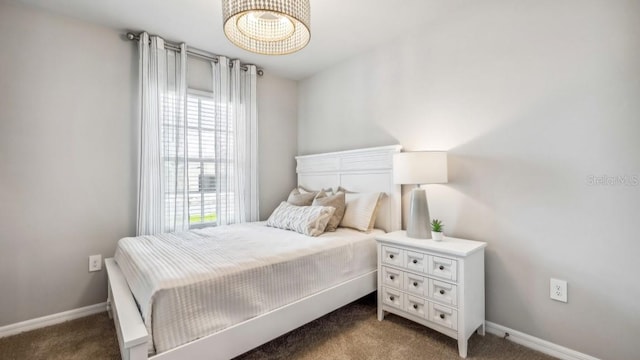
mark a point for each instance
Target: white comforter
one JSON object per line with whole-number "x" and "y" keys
{"x": 192, "y": 284}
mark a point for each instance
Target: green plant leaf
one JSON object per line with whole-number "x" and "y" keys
{"x": 436, "y": 225}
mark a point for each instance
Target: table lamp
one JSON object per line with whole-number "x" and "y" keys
{"x": 419, "y": 168}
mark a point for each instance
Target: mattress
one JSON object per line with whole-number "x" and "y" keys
{"x": 195, "y": 283}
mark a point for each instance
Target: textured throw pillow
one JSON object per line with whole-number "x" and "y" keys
{"x": 361, "y": 210}
{"x": 298, "y": 198}
{"x": 337, "y": 201}
{"x": 307, "y": 220}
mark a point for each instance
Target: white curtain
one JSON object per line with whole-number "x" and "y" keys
{"x": 162, "y": 175}
{"x": 234, "y": 91}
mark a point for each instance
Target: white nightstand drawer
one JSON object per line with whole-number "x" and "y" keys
{"x": 441, "y": 284}
{"x": 415, "y": 284}
{"x": 393, "y": 297}
{"x": 415, "y": 261}
{"x": 392, "y": 256}
{"x": 444, "y": 316}
{"x": 392, "y": 277}
{"x": 443, "y": 292}
{"x": 416, "y": 306}
{"x": 443, "y": 268}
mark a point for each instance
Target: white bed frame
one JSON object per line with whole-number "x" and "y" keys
{"x": 363, "y": 170}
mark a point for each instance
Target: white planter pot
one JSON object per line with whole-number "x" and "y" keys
{"x": 437, "y": 236}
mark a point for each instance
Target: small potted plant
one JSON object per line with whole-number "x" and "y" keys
{"x": 436, "y": 230}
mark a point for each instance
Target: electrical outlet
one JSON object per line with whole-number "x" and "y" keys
{"x": 95, "y": 263}
{"x": 558, "y": 290}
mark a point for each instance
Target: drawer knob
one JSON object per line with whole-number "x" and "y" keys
{"x": 441, "y": 267}
{"x": 415, "y": 283}
{"x": 415, "y": 306}
{"x": 391, "y": 298}
{"x": 390, "y": 256}
{"x": 442, "y": 316}
{"x": 392, "y": 277}
{"x": 441, "y": 292}
{"x": 415, "y": 261}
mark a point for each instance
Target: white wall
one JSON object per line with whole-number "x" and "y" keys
{"x": 277, "y": 133}
{"x": 530, "y": 98}
{"x": 67, "y": 172}
{"x": 68, "y": 141}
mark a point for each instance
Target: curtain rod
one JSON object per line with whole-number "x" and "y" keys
{"x": 202, "y": 54}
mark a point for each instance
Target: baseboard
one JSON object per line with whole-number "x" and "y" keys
{"x": 53, "y": 319}
{"x": 537, "y": 344}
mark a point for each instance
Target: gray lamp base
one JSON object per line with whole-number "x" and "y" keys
{"x": 418, "y": 224}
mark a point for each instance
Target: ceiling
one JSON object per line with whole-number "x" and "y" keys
{"x": 340, "y": 29}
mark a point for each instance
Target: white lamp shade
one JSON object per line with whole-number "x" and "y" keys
{"x": 420, "y": 167}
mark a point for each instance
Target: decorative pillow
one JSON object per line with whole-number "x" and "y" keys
{"x": 298, "y": 198}
{"x": 329, "y": 192}
{"x": 374, "y": 216}
{"x": 337, "y": 201}
{"x": 303, "y": 190}
{"x": 307, "y": 220}
{"x": 361, "y": 210}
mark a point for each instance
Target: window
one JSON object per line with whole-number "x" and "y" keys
{"x": 201, "y": 158}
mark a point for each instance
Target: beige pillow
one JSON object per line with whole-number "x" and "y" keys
{"x": 298, "y": 198}
{"x": 307, "y": 220}
{"x": 337, "y": 201}
{"x": 329, "y": 191}
{"x": 361, "y": 210}
{"x": 303, "y": 190}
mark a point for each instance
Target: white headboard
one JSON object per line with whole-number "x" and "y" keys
{"x": 361, "y": 170}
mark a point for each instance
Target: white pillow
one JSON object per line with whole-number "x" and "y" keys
{"x": 307, "y": 220}
{"x": 361, "y": 210}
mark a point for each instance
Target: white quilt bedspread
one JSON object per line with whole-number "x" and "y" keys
{"x": 192, "y": 284}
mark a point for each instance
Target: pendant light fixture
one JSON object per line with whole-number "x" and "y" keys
{"x": 269, "y": 27}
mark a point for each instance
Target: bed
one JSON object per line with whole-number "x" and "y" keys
{"x": 363, "y": 170}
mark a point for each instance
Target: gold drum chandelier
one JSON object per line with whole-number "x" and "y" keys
{"x": 270, "y": 27}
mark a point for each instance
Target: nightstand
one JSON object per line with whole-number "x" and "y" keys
{"x": 439, "y": 284}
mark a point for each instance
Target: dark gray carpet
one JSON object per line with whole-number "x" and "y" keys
{"x": 352, "y": 332}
